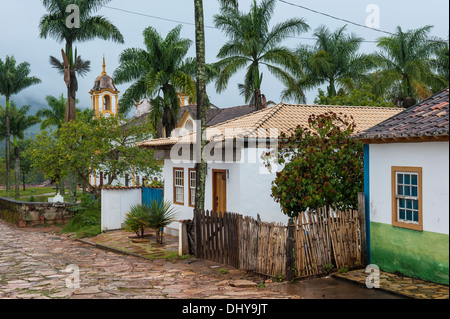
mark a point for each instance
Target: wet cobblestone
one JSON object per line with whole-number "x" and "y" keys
{"x": 33, "y": 265}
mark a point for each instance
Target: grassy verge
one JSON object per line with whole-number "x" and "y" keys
{"x": 86, "y": 218}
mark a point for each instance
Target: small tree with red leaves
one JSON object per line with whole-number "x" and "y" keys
{"x": 323, "y": 166}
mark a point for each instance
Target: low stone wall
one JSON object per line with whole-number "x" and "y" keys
{"x": 29, "y": 214}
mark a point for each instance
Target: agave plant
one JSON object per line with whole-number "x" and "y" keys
{"x": 137, "y": 219}
{"x": 161, "y": 215}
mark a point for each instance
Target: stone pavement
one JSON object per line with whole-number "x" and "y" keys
{"x": 37, "y": 265}
{"x": 404, "y": 286}
{"x": 34, "y": 265}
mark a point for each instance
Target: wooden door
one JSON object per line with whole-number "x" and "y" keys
{"x": 219, "y": 191}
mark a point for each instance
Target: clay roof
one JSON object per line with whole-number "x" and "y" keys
{"x": 425, "y": 120}
{"x": 271, "y": 122}
{"x": 216, "y": 116}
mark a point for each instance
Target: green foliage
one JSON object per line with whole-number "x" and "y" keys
{"x": 137, "y": 219}
{"x": 405, "y": 65}
{"x": 157, "y": 215}
{"x": 88, "y": 145}
{"x": 357, "y": 97}
{"x": 86, "y": 218}
{"x": 161, "y": 215}
{"x": 253, "y": 45}
{"x": 323, "y": 166}
{"x": 159, "y": 72}
{"x": 328, "y": 268}
{"x": 333, "y": 60}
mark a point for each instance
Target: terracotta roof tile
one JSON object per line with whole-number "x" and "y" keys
{"x": 428, "y": 118}
{"x": 270, "y": 122}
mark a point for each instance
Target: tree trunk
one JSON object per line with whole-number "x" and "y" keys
{"x": 16, "y": 171}
{"x": 7, "y": 148}
{"x": 201, "y": 103}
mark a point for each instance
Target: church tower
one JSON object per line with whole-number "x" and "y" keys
{"x": 104, "y": 95}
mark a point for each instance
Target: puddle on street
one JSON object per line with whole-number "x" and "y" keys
{"x": 332, "y": 288}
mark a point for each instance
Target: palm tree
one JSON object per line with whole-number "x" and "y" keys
{"x": 54, "y": 24}
{"x": 404, "y": 65}
{"x": 159, "y": 71}
{"x": 334, "y": 60}
{"x": 252, "y": 45}
{"x": 13, "y": 79}
{"x": 441, "y": 66}
{"x": 201, "y": 79}
{"x": 55, "y": 113}
{"x": 19, "y": 123}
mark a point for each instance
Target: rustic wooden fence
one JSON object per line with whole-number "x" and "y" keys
{"x": 262, "y": 247}
{"x": 326, "y": 238}
{"x": 310, "y": 244}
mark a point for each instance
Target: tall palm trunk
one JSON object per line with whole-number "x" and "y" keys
{"x": 7, "y": 147}
{"x": 72, "y": 87}
{"x": 201, "y": 103}
{"x": 16, "y": 170}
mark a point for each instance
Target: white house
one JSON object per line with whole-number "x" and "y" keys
{"x": 237, "y": 179}
{"x": 407, "y": 190}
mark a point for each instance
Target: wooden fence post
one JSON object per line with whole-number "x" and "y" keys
{"x": 290, "y": 250}
{"x": 362, "y": 227}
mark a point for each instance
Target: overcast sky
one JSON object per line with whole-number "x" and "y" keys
{"x": 19, "y": 36}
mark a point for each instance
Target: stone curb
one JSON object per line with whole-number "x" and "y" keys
{"x": 393, "y": 292}
{"x": 112, "y": 249}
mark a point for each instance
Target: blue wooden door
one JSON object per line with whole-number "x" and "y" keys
{"x": 151, "y": 194}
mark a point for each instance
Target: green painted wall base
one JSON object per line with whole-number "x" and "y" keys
{"x": 416, "y": 254}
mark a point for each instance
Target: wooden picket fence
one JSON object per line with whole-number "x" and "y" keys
{"x": 309, "y": 244}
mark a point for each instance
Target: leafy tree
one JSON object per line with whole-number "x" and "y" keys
{"x": 362, "y": 96}
{"x": 160, "y": 72}
{"x": 404, "y": 65}
{"x": 53, "y": 24}
{"x": 13, "y": 79}
{"x": 323, "y": 166}
{"x": 20, "y": 121}
{"x": 92, "y": 145}
{"x": 334, "y": 60}
{"x": 253, "y": 44}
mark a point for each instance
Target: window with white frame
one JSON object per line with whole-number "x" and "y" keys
{"x": 192, "y": 186}
{"x": 178, "y": 186}
{"x": 407, "y": 201}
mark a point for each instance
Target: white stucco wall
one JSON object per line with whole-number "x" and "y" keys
{"x": 248, "y": 187}
{"x": 256, "y": 187}
{"x": 434, "y": 160}
{"x": 116, "y": 204}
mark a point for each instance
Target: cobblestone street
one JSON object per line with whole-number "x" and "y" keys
{"x": 34, "y": 265}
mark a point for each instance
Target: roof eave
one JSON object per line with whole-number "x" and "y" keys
{"x": 404, "y": 139}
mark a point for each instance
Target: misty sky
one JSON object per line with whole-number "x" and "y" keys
{"x": 19, "y": 36}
